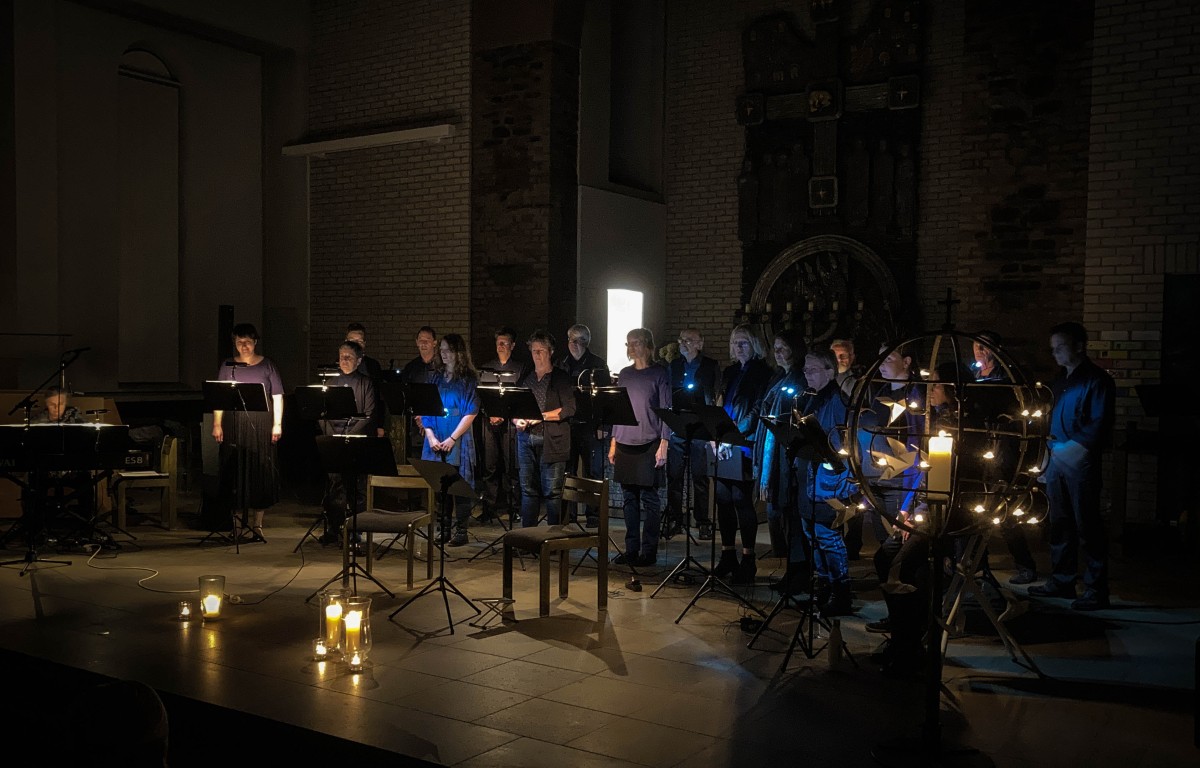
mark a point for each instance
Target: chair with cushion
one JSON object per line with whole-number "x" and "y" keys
{"x": 544, "y": 541}
{"x": 164, "y": 479}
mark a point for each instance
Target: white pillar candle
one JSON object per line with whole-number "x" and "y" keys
{"x": 353, "y": 630}
{"x": 941, "y": 457}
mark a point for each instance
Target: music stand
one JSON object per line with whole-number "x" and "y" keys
{"x": 236, "y": 396}
{"x": 449, "y": 483}
{"x": 607, "y": 406}
{"x": 722, "y": 430}
{"x": 806, "y": 441}
{"x": 350, "y": 456}
{"x": 507, "y": 403}
{"x": 689, "y": 426}
{"x": 323, "y": 403}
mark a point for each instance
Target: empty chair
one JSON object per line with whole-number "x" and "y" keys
{"x": 164, "y": 479}
{"x": 544, "y": 541}
{"x": 398, "y": 524}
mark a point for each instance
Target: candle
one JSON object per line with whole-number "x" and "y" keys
{"x": 185, "y": 610}
{"x": 320, "y": 651}
{"x": 860, "y": 305}
{"x": 768, "y": 306}
{"x": 211, "y": 606}
{"x": 941, "y": 454}
{"x": 356, "y": 662}
{"x": 835, "y": 306}
{"x": 333, "y": 624}
{"x": 747, "y": 309}
{"x": 789, "y": 306}
{"x": 353, "y": 631}
{"x": 811, "y": 306}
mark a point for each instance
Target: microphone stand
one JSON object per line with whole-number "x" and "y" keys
{"x": 60, "y": 373}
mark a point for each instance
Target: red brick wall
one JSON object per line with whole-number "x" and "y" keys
{"x": 389, "y": 227}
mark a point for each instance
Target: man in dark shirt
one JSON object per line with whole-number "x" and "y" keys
{"x": 500, "y": 475}
{"x": 1081, "y": 424}
{"x": 693, "y": 381}
{"x": 350, "y": 375}
{"x": 588, "y": 439}
{"x": 357, "y": 332}
{"x": 420, "y": 370}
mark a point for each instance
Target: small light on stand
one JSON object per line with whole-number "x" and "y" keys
{"x": 212, "y": 595}
{"x": 185, "y": 610}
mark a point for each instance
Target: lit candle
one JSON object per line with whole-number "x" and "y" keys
{"x": 211, "y": 606}
{"x": 789, "y": 306}
{"x": 747, "y": 309}
{"x": 333, "y": 624}
{"x": 811, "y": 305}
{"x": 320, "y": 651}
{"x": 356, "y": 662}
{"x": 185, "y": 610}
{"x": 353, "y": 631}
{"x": 941, "y": 455}
{"x": 835, "y": 305}
{"x": 768, "y": 306}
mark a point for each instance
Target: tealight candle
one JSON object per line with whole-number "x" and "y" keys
{"x": 356, "y": 662}
{"x": 185, "y": 610}
{"x": 320, "y": 651}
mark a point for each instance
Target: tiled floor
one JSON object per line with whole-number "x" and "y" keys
{"x": 628, "y": 688}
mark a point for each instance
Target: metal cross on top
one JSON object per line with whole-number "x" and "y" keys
{"x": 949, "y": 303}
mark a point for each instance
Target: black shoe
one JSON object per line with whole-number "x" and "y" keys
{"x": 795, "y": 580}
{"x": 706, "y": 530}
{"x": 1024, "y": 576}
{"x": 1053, "y": 589}
{"x": 881, "y": 627}
{"x": 625, "y": 558}
{"x": 459, "y": 539}
{"x": 647, "y": 559}
{"x": 727, "y": 565}
{"x": 329, "y": 537}
{"x": 746, "y": 570}
{"x": 1091, "y": 601}
{"x": 839, "y": 602}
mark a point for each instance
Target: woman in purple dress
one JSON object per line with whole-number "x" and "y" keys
{"x": 247, "y": 438}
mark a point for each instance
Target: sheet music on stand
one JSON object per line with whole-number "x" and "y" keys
{"x": 509, "y": 402}
{"x": 320, "y": 402}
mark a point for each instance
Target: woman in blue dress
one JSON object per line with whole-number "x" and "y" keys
{"x": 449, "y": 437}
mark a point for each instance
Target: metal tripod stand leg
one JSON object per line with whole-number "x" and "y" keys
{"x": 441, "y": 583}
{"x": 688, "y": 560}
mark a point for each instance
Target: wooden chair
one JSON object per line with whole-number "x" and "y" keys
{"x": 544, "y": 541}
{"x": 165, "y": 479}
{"x": 400, "y": 524}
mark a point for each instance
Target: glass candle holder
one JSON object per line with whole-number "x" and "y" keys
{"x": 356, "y": 627}
{"x": 332, "y": 607}
{"x": 185, "y": 610}
{"x": 212, "y": 596}
{"x": 320, "y": 650}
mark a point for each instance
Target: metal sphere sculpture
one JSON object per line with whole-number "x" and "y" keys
{"x": 928, "y": 431}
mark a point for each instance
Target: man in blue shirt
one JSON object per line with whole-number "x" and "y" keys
{"x": 1080, "y": 426}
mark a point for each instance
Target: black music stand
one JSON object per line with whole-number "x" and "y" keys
{"x": 507, "y": 403}
{"x": 236, "y": 396}
{"x": 608, "y": 407}
{"x": 350, "y": 456}
{"x": 449, "y": 483}
{"x": 322, "y": 403}
{"x": 689, "y": 426}
{"x": 722, "y": 430}
{"x": 806, "y": 441}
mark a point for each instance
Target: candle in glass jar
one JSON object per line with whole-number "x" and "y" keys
{"x": 185, "y": 610}
{"x": 333, "y": 624}
{"x": 353, "y": 630}
{"x": 211, "y": 606}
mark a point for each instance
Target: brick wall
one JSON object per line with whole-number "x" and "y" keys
{"x": 389, "y": 227}
{"x": 1143, "y": 197}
